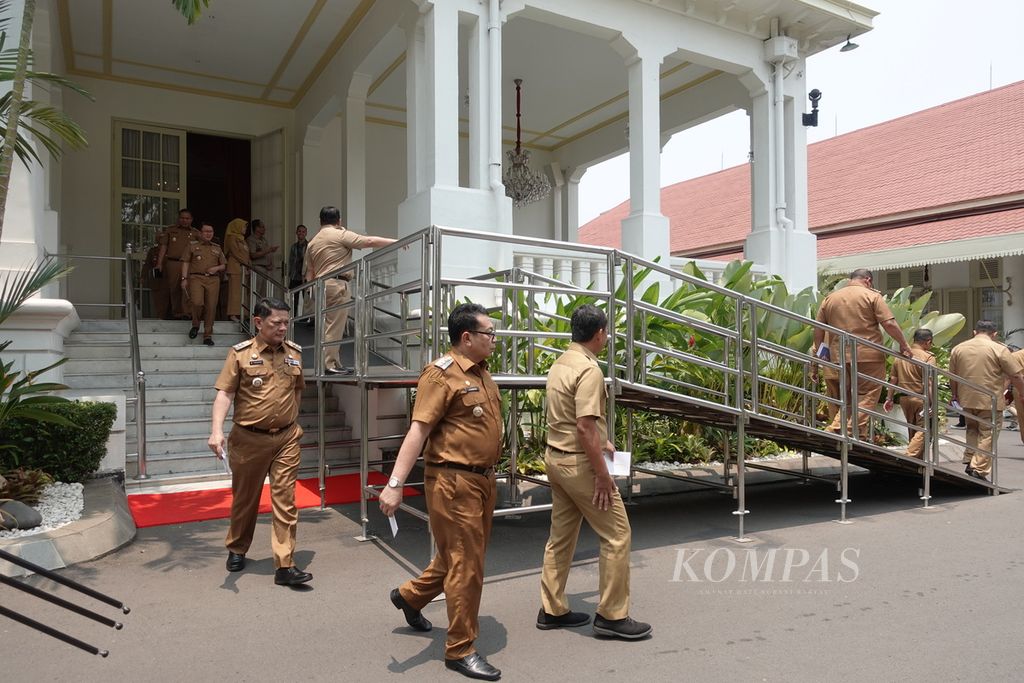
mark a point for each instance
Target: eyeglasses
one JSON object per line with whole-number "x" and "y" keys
{"x": 490, "y": 333}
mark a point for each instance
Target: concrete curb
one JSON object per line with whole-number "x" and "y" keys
{"x": 105, "y": 526}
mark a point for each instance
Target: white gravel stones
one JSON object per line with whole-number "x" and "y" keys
{"x": 60, "y": 504}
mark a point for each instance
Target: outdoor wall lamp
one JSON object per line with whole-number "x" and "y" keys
{"x": 812, "y": 119}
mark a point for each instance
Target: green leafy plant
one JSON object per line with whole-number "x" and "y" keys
{"x": 191, "y": 9}
{"x": 71, "y": 451}
{"x": 24, "y": 485}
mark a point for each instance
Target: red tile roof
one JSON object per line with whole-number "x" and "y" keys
{"x": 960, "y": 151}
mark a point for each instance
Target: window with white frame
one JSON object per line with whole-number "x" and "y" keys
{"x": 150, "y": 181}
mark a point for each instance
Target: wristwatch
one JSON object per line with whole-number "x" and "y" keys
{"x": 394, "y": 483}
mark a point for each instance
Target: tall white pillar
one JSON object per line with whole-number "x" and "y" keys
{"x": 645, "y": 232}
{"x": 441, "y": 28}
{"x": 479, "y": 133}
{"x": 415, "y": 107}
{"x": 572, "y": 205}
{"x": 355, "y": 152}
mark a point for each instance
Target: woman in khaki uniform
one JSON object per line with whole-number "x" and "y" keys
{"x": 238, "y": 253}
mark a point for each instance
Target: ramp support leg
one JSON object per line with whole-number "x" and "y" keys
{"x": 844, "y": 483}
{"x": 741, "y": 485}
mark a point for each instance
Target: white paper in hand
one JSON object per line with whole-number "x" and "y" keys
{"x": 224, "y": 458}
{"x": 394, "y": 526}
{"x": 618, "y": 463}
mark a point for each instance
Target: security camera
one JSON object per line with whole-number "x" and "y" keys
{"x": 812, "y": 119}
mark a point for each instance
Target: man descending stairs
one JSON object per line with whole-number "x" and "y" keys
{"x": 180, "y": 374}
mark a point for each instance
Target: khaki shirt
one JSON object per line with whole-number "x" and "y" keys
{"x": 177, "y": 240}
{"x": 460, "y": 403}
{"x": 203, "y": 256}
{"x": 985, "y": 362}
{"x": 909, "y": 376}
{"x": 576, "y": 389}
{"x": 1019, "y": 357}
{"x": 259, "y": 244}
{"x": 858, "y": 310}
{"x": 331, "y": 248}
{"x": 264, "y": 381}
{"x": 237, "y": 249}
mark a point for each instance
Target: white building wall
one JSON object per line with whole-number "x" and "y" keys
{"x": 87, "y": 224}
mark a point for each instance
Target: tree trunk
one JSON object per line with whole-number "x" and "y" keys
{"x": 17, "y": 95}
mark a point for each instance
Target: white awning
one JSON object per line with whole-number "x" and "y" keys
{"x": 992, "y": 246}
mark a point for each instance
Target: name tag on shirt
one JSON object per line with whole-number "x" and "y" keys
{"x": 470, "y": 390}
{"x": 291, "y": 361}
{"x": 256, "y": 362}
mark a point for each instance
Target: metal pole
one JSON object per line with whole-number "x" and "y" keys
{"x": 321, "y": 436}
{"x": 139, "y": 383}
{"x": 929, "y": 425}
{"x": 741, "y": 485}
{"x": 844, "y": 474}
{"x": 364, "y": 460}
{"x": 63, "y": 580}
{"x": 59, "y": 635}
{"x": 629, "y": 447}
{"x": 140, "y": 424}
{"x": 61, "y": 602}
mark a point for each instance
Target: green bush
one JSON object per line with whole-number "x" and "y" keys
{"x": 67, "y": 453}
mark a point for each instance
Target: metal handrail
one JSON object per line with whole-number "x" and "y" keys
{"x": 131, "y": 315}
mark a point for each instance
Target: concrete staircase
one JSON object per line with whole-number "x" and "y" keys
{"x": 180, "y": 373}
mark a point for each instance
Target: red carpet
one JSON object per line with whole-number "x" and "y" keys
{"x": 155, "y": 509}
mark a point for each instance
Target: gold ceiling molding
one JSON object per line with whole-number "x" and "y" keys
{"x": 339, "y": 40}
{"x": 602, "y": 105}
{"x": 386, "y": 74}
{"x": 177, "y": 88}
{"x": 314, "y": 12}
{"x": 607, "y": 122}
{"x": 464, "y": 136}
{"x": 185, "y": 72}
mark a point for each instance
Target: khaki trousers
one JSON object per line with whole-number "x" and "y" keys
{"x": 252, "y": 457}
{"x": 461, "y": 508}
{"x": 337, "y": 293}
{"x": 831, "y": 378}
{"x": 203, "y": 290}
{"x": 868, "y": 392}
{"x": 234, "y": 295}
{"x": 174, "y": 301}
{"x": 912, "y": 408}
{"x": 572, "y": 493}
{"x": 980, "y": 435}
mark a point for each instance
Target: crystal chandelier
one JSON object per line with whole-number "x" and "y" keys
{"x": 523, "y": 185}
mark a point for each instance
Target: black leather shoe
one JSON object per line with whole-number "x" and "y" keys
{"x": 626, "y": 628}
{"x": 236, "y": 562}
{"x": 340, "y": 371}
{"x": 976, "y": 474}
{"x": 291, "y": 576}
{"x": 413, "y": 617}
{"x": 546, "y": 622}
{"x": 208, "y": 341}
{"x": 193, "y": 332}
{"x": 474, "y": 666}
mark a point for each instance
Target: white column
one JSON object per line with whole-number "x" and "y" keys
{"x": 355, "y": 152}
{"x": 479, "y": 138}
{"x": 645, "y": 231}
{"x": 1013, "y": 313}
{"x": 441, "y": 28}
{"x": 557, "y": 212}
{"x": 572, "y": 205}
{"x": 415, "y": 107}
{"x": 764, "y": 245}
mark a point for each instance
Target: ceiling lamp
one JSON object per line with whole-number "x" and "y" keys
{"x": 523, "y": 185}
{"x": 849, "y": 46}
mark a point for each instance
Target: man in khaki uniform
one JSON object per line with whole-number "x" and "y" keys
{"x": 987, "y": 363}
{"x": 200, "y": 277}
{"x": 908, "y": 376}
{"x": 859, "y": 310}
{"x": 174, "y": 242}
{"x": 1015, "y": 402}
{"x": 329, "y": 250}
{"x": 157, "y": 297}
{"x": 263, "y": 376}
{"x": 581, "y": 487}
{"x": 458, "y": 416}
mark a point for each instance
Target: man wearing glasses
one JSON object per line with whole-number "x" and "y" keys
{"x": 458, "y": 417}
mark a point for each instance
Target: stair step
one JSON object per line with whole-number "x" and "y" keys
{"x": 148, "y": 326}
{"x": 199, "y": 463}
{"x": 106, "y": 350}
{"x": 157, "y": 445}
{"x": 168, "y": 339}
{"x": 125, "y": 380}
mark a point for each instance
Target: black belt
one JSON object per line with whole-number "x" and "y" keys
{"x": 275, "y": 430}
{"x": 486, "y": 471}
{"x": 203, "y": 274}
{"x": 559, "y": 450}
{"x": 171, "y": 258}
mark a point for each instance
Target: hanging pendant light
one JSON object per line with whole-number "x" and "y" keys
{"x": 523, "y": 185}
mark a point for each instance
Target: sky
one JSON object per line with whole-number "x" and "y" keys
{"x": 919, "y": 54}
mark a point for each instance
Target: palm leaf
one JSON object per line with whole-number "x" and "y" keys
{"x": 19, "y": 286}
{"x": 191, "y": 9}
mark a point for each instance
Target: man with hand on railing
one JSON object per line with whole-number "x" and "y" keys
{"x": 331, "y": 249}
{"x": 985, "y": 362}
{"x": 858, "y": 310}
{"x": 200, "y": 279}
{"x": 909, "y": 377}
{"x": 582, "y": 488}
{"x": 457, "y": 417}
{"x": 174, "y": 242}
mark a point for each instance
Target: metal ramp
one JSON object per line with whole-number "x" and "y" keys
{"x": 719, "y": 354}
